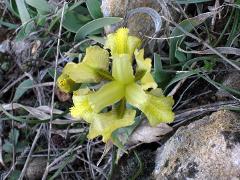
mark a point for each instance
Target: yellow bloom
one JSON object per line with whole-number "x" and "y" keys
{"x": 107, "y": 95}
{"x": 123, "y": 85}
{"x": 121, "y": 43}
{"x": 65, "y": 84}
{"x": 122, "y": 70}
{"x": 86, "y": 106}
{"x": 145, "y": 65}
{"x": 156, "y": 109}
{"x": 82, "y": 108}
{"x": 105, "y": 123}
{"x": 87, "y": 71}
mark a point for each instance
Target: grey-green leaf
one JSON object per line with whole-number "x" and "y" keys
{"x": 24, "y": 14}
{"x": 41, "y": 5}
{"x": 188, "y": 25}
{"x": 94, "y": 8}
{"x": 95, "y": 25}
{"x": 22, "y": 88}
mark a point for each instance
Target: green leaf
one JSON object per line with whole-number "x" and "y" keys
{"x": 22, "y": 88}
{"x": 228, "y": 89}
{"x": 42, "y": 6}
{"x": 73, "y": 21}
{"x": 13, "y": 136}
{"x": 14, "y": 175}
{"x": 181, "y": 57}
{"x": 24, "y": 15}
{"x": 7, "y": 146}
{"x": 8, "y": 25}
{"x": 180, "y": 76}
{"x": 11, "y": 5}
{"x": 188, "y": 25}
{"x": 94, "y": 8}
{"x": 95, "y": 25}
{"x": 97, "y": 39}
{"x": 159, "y": 75}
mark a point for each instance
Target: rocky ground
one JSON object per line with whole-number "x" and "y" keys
{"x": 197, "y": 45}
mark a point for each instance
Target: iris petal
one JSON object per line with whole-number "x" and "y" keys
{"x": 121, "y": 43}
{"x": 122, "y": 69}
{"x": 82, "y": 109}
{"x": 147, "y": 80}
{"x": 108, "y": 94}
{"x": 156, "y": 109}
{"x": 65, "y": 83}
{"x": 105, "y": 123}
{"x": 86, "y": 71}
{"x": 96, "y": 58}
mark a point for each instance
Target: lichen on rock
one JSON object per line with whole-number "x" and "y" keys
{"x": 206, "y": 149}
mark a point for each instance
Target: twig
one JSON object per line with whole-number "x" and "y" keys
{"x": 53, "y": 93}
{"x": 178, "y": 85}
{"x": 187, "y": 114}
{"x": 60, "y": 158}
{"x": 204, "y": 43}
{"x": 12, "y": 84}
{"x": 30, "y": 153}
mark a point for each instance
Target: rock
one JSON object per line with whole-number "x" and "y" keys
{"x": 231, "y": 80}
{"x": 138, "y": 24}
{"x": 206, "y": 149}
{"x": 36, "y": 168}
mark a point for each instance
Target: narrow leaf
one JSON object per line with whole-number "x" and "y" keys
{"x": 95, "y": 25}
{"x": 24, "y": 14}
{"x": 94, "y": 8}
{"x": 188, "y": 25}
{"x": 40, "y": 5}
{"x": 22, "y": 88}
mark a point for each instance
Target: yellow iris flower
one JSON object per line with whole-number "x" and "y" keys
{"x": 123, "y": 84}
{"x": 95, "y": 62}
{"x": 121, "y": 43}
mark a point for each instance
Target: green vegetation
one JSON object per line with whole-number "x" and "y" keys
{"x": 188, "y": 59}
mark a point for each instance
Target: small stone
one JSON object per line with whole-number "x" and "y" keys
{"x": 232, "y": 80}
{"x": 36, "y": 168}
{"x": 205, "y": 149}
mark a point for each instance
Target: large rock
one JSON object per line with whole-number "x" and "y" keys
{"x": 138, "y": 24}
{"x": 206, "y": 149}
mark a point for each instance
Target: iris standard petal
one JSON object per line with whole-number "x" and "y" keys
{"x": 122, "y": 69}
{"x": 121, "y": 43}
